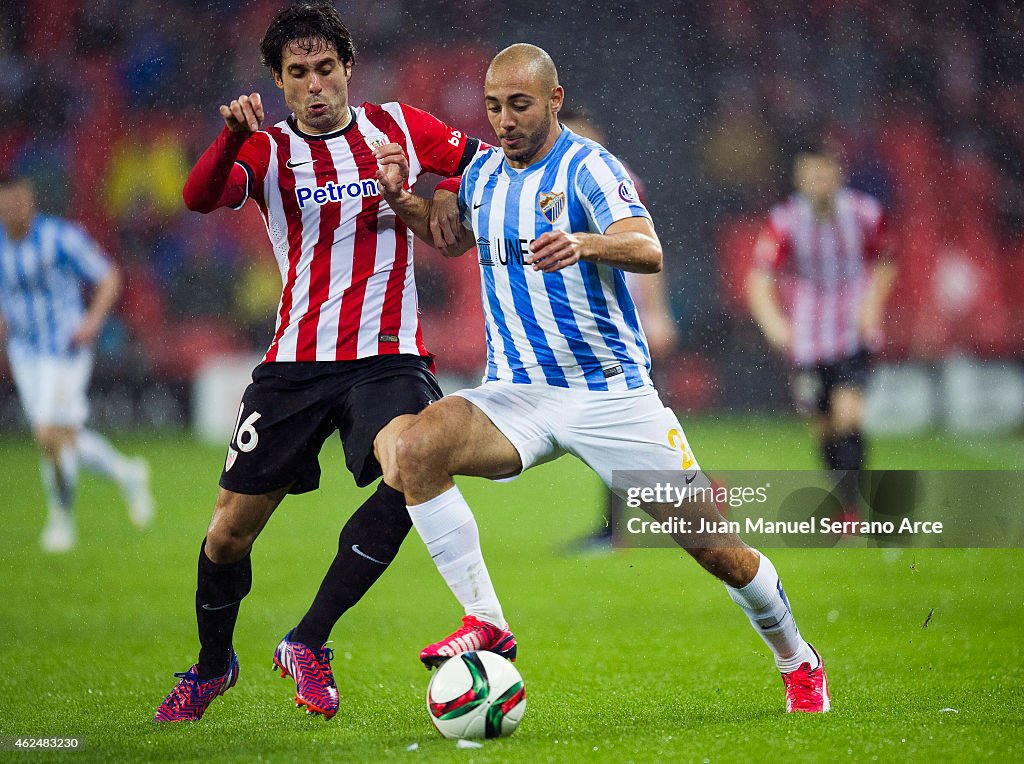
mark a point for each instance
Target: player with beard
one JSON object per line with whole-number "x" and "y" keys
{"x": 557, "y": 222}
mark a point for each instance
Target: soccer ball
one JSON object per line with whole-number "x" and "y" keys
{"x": 476, "y": 695}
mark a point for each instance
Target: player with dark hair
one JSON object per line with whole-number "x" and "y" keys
{"x": 44, "y": 263}
{"x": 557, "y": 222}
{"x": 828, "y": 248}
{"x": 347, "y": 352}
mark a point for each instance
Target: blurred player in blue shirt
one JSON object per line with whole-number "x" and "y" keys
{"x": 50, "y": 331}
{"x": 649, "y": 293}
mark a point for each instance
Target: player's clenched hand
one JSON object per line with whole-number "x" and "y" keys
{"x": 244, "y": 114}
{"x": 553, "y": 251}
{"x": 445, "y": 220}
{"x": 392, "y": 169}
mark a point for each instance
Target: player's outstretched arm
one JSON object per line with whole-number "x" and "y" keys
{"x": 216, "y": 181}
{"x": 630, "y": 244}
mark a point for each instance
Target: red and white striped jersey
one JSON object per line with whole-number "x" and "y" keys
{"x": 345, "y": 257}
{"x": 824, "y": 269}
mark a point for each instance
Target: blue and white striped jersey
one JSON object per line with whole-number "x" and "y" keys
{"x": 41, "y": 285}
{"x": 577, "y": 327}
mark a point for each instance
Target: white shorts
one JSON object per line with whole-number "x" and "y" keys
{"x": 627, "y": 431}
{"x": 53, "y": 388}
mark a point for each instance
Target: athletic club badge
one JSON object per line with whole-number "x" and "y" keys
{"x": 375, "y": 141}
{"x": 551, "y": 205}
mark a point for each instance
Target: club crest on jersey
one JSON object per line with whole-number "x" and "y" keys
{"x": 335, "y": 192}
{"x": 551, "y": 205}
{"x": 627, "y": 193}
{"x": 375, "y": 140}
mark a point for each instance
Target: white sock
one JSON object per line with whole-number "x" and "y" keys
{"x": 448, "y": 528}
{"x": 99, "y": 456}
{"x": 765, "y": 603}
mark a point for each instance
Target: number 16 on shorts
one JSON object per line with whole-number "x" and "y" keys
{"x": 244, "y": 438}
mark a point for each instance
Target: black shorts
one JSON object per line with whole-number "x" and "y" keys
{"x": 290, "y": 410}
{"x": 813, "y": 385}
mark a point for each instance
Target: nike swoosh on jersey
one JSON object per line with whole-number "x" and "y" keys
{"x": 292, "y": 165}
{"x": 361, "y": 553}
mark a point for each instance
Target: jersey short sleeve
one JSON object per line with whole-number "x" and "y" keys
{"x": 607, "y": 191}
{"x": 254, "y": 159}
{"x": 81, "y": 253}
{"x": 441, "y": 149}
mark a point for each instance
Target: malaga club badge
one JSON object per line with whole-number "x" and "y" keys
{"x": 551, "y": 205}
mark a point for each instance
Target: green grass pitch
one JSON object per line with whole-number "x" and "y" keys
{"x": 635, "y": 656}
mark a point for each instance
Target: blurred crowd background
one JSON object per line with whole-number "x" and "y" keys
{"x": 107, "y": 103}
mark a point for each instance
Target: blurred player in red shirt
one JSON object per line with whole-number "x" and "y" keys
{"x": 823, "y": 271}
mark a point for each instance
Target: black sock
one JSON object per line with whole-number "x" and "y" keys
{"x": 850, "y": 451}
{"x": 849, "y": 456}
{"x": 220, "y": 591}
{"x": 367, "y": 545}
{"x": 828, "y": 453}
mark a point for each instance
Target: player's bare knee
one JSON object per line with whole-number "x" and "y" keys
{"x": 47, "y": 446}
{"x": 417, "y": 454}
{"x": 845, "y": 422}
{"x": 847, "y": 412}
{"x": 408, "y": 452}
{"x": 385, "y": 447}
{"x": 392, "y": 475}
{"x": 50, "y": 441}
{"x": 231, "y": 532}
{"x": 226, "y": 544}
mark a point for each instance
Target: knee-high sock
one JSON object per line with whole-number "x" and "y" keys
{"x": 828, "y": 453}
{"x": 448, "y": 528}
{"x": 98, "y": 455}
{"x": 219, "y": 593}
{"x": 849, "y": 456}
{"x": 367, "y": 545}
{"x": 766, "y": 605}
{"x": 60, "y": 480}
